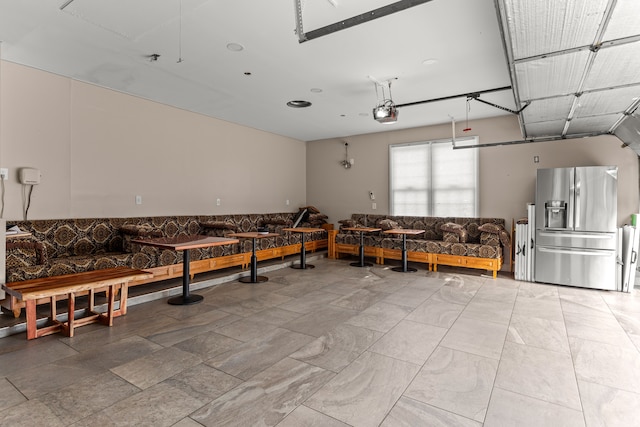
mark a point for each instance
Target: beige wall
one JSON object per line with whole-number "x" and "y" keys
{"x": 97, "y": 149}
{"x": 507, "y": 173}
{"x": 3, "y": 249}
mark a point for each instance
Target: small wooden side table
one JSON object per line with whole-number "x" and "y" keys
{"x": 303, "y": 253}
{"x": 254, "y": 235}
{"x": 184, "y": 243}
{"x": 404, "y": 231}
{"x": 362, "y": 230}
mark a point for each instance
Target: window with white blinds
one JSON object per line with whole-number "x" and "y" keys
{"x": 432, "y": 179}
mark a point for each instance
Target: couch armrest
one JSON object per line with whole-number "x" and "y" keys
{"x": 25, "y": 253}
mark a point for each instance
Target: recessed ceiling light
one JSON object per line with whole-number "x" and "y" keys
{"x": 316, "y": 90}
{"x": 235, "y": 47}
{"x": 247, "y": 73}
{"x": 299, "y": 104}
{"x": 429, "y": 61}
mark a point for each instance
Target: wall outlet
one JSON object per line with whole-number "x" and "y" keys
{"x": 287, "y": 202}
{"x": 217, "y": 202}
{"x": 536, "y": 159}
{"x": 138, "y": 200}
{"x": 374, "y": 206}
{"x": 4, "y": 173}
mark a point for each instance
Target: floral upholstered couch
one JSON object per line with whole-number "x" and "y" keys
{"x": 456, "y": 241}
{"x": 66, "y": 246}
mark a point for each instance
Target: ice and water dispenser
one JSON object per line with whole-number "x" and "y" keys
{"x": 555, "y": 214}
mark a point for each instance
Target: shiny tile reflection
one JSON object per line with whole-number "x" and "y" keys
{"x": 338, "y": 346}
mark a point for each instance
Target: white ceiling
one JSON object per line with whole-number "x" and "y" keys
{"x": 573, "y": 64}
{"x": 107, "y": 43}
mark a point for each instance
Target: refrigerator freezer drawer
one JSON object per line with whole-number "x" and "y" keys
{"x": 577, "y": 239}
{"x": 586, "y": 268}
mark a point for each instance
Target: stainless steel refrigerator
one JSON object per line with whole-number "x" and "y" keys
{"x": 576, "y": 226}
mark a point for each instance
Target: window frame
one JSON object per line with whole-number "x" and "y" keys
{"x": 473, "y": 140}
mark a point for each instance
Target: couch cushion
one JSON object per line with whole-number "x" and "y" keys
{"x": 496, "y": 229}
{"x": 317, "y": 219}
{"x": 349, "y": 223}
{"x": 219, "y": 225}
{"x": 388, "y": 224}
{"x": 218, "y": 228}
{"x": 140, "y": 230}
{"x": 450, "y": 237}
{"x": 454, "y": 233}
{"x": 69, "y": 265}
{"x": 136, "y": 232}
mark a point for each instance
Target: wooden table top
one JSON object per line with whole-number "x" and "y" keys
{"x": 363, "y": 229}
{"x": 181, "y": 243}
{"x": 253, "y": 235}
{"x": 57, "y": 285}
{"x": 303, "y": 229}
{"x": 403, "y": 231}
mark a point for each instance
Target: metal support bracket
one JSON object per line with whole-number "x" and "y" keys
{"x": 476, "y": 97}
{"x": 353, "y": 21}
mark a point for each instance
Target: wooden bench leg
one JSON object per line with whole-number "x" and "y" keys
{"x": 32, "y": 326}
{"x": 71, "y": 314}
{"x": 54, "y": 309}
{"x": 32, "y": 320}
{"x": 92, "y": 297}
{"x": 16, "y": 308}
{"x": 112, "y": 297}
{"x": 124, "y": 291}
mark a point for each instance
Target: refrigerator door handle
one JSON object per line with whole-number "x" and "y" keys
{"x": 576, "y": 215}
{"x": 583, "y": 235}
{"x": 574, "y": 200}
{"x": 588, "y": 252}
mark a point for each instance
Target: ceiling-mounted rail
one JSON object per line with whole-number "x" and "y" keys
{"x": 470, "y": 95}
{"x": 353, "y": 21}
{"x": 530, "y": 140}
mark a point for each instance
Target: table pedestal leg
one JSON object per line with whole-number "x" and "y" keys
{"x": 303, "y": 258}
{"x": 186, "y": 298}
{"x": 253, "y": 278}
{"x": 361, "y": 263}
{"x": 405, "y": 268}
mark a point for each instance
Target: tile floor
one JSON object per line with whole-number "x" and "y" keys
{"x": 341, "y": 346}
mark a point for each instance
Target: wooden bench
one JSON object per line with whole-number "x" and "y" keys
{"x": 110, "y": 280}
